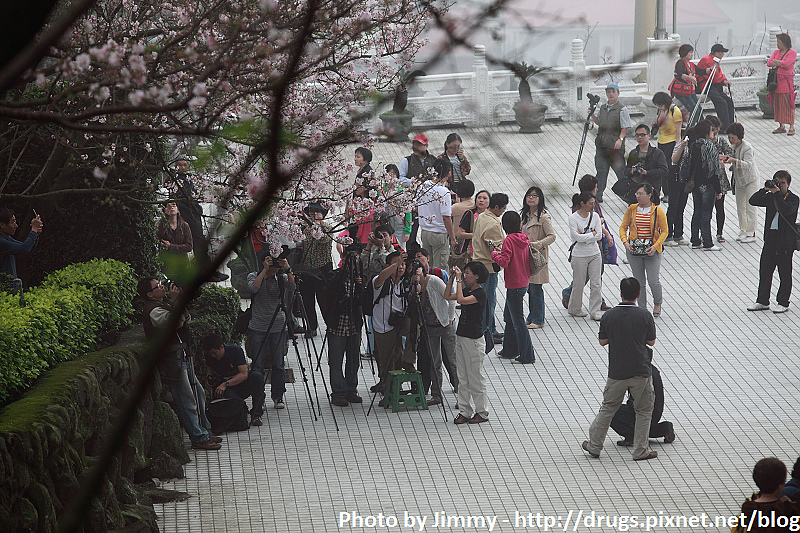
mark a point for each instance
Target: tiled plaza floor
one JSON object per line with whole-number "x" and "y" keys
{"x": 731, "y": 381}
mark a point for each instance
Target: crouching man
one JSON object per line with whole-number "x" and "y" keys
{"x": 228, "y": 374}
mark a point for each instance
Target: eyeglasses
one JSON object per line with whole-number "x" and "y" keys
{"x": 532, "y": 195}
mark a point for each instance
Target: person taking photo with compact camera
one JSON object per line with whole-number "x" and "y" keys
{"x": 780, "y": 238}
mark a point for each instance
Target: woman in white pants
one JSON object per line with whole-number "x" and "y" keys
{"x": 643, "y": 231}
{"x": 585, "y": 230}
{"x": 745, "y": 179}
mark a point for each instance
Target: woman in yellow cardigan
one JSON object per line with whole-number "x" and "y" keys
{"x": 643, "y": 232}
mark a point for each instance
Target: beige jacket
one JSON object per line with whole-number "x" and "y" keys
{"x": 487, "y": 228}
{"x": 541, "y": 234}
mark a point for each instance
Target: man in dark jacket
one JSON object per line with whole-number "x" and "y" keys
{"x": 779, "y": 240}
{"x": 9, "y": 246}
{"x": 646, "y": 163}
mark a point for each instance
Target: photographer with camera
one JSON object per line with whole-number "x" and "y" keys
{"x": 646, "y": 164}
{"x": 175, "y": 366}
{"x": 342, "y": 312}
{"x": 780, "y": 238}
{"x": 373, "y": 261}
{"x": 267, "y": 337}
{"x": 390, "y": 320}
{"x": 436, "y": 323}
{"x": 613, "y": 123}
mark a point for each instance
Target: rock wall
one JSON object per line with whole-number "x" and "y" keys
{"x": 52, "y": 435}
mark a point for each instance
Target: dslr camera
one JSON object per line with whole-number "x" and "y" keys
{"x": 637, "y": 168}
{"x": 772, "y": 184}
{"x": 593, "y": 99}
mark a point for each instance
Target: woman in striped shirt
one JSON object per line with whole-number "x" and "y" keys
{"x": 643, "y": 231}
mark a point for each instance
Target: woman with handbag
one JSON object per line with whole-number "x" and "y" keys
{"x": 683, "y": 87}
{"x": 514, "y": 256}
{"x": 782, "y": 96}
{"x": 538, "y": 226}
{"x": 643, "y": 232}
{"x": 464, "y": 230}
{"x": 585, "y": 230}
{"x": 744, "y": 175}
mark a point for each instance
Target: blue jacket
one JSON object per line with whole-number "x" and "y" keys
{"x": 10, "y": 247}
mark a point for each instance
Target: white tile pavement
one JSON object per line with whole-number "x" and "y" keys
{"x": 731, "y": 380}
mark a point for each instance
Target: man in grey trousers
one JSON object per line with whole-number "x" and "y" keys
{"x": 628, "y": 331}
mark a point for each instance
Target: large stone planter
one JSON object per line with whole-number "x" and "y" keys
{"x": 764, "y": 105}
{"x": 530, "y": 117}
{"x": 397, "y": 125}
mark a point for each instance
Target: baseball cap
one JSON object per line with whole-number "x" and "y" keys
{"x": 421, "y": 138}
{"x": 718, "y": 48}
{"x": 613, "y": 85}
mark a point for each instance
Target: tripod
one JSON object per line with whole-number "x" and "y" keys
{"x": 703, "y": 94}
{"x": 259, "y": 362}
{"x": 593, "y": 100}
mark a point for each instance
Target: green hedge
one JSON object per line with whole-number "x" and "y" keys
{"x": 62, "y": 319}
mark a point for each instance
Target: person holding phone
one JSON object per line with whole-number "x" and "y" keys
{"x": 9, "y": 246}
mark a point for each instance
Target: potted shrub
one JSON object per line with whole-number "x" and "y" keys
{"x": 764, "y": 105}
{"x": 529, "y": 115}
{"x": 398, "y": 121}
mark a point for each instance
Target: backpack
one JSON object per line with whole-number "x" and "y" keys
{"x": 685, "y": 168}
{"x": 227, "y": 414}
{"x": 369, "y": 297}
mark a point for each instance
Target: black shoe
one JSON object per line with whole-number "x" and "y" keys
{"x": 352, "y": 397}
{"x": 434, "y": 401}
{"x": 498, "y": 338}
{"x": 625, "y": 442}
{"x": 376, "y": 388}
{"x": 256, "y": 421}
{"x": 339, "y": 401}
{"x": 217, "y": 277}
{"x": 670, "y": 436}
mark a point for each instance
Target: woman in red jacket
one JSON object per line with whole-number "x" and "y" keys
{"x": 514, "y": 257}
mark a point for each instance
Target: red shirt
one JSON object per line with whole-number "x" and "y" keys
{"x": 708, "y": 63}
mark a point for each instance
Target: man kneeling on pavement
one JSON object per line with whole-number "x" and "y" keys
{"x": 625, "y": 417}
{"x": 229, "y": 377}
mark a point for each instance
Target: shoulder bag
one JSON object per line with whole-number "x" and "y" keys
{"x": 537, "y": 260}
{"x": 460, "y": 256}
{"x": 772, "y": 76}
{"x": 678, "y": 87}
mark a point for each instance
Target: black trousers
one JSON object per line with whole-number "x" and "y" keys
{"x": 772, "y": 257}
{"x": 311, "y": 290}
{"x": 625, "y": 419}
{"x": 191, "y": 213}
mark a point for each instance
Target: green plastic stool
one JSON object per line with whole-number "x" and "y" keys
{"x": 397, "y": 398}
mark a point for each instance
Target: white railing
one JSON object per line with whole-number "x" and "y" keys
{"x": 486, "y": 97}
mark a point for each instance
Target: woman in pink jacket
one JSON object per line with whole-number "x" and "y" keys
{"x": 514, "y": 257}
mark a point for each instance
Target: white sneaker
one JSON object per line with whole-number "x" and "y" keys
{"x": 684, "y": 241}
{"x": 780, "y": 309}
{"x": 278, "y": 404}
{"x": 597, "y": 316}
{"x": 714, "y": 248}
{"x": 758, "y": 307}
{"x": 748, "y": 238}
{"x": 579, "y": 314}
{"x": 740, "y": 237}
{"x": 672, "y": 242}
{"x": 697, "y": 247}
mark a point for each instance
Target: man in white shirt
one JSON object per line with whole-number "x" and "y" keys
{"x": 435, "y": 221}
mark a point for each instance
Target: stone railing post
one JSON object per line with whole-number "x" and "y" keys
{"x": 577, "y": 82}
{"x": 481, "y": 89}
{"x": 661, "y": 56}
{"x": 773, "y": 39}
